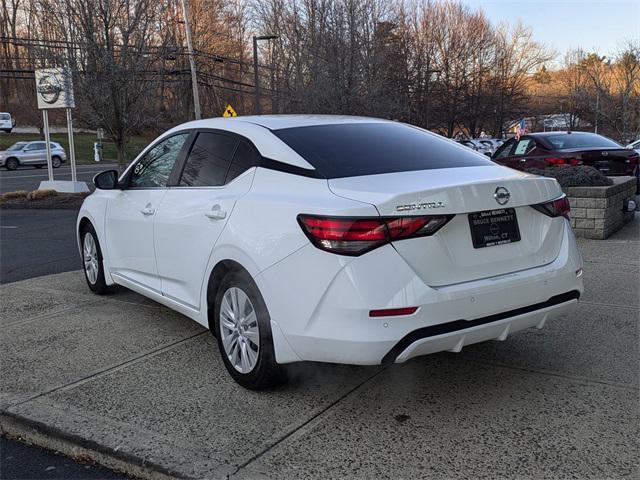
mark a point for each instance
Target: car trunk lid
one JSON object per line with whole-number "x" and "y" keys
{"x": 610, "y": 161}
{"x": 449, "y": 256}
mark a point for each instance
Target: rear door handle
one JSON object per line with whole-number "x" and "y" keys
{"x": 216, "y": 213}
{"x": 148, "y": 210}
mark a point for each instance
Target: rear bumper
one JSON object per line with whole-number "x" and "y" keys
{"x": 321, "y": 302}
{"x": 453, "y": 336}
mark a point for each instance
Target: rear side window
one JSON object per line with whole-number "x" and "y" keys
{"x": 524, "y": 146}
{"x": 208, "y": 161}
{"x": 348, "y": 150}
{"x": 245, "y": 157}
{"x": 580, "y": 140}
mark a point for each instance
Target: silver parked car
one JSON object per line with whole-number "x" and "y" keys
{"x": 477, "y": 145}
{"x": 31, "y": 153}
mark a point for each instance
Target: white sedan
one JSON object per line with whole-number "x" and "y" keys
{"x": 331, "y": 239}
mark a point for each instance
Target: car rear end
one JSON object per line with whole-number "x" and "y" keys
{"x": 592, "y": 150}
{"x": 58, "y": 150}
{"x": 6, "y": 122}
{"x": 432, "y": 259}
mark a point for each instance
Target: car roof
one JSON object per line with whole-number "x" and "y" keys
{"x": 258, "y": 128}
{"x": 276, "y": 122}
{"x": 549, "y": 134}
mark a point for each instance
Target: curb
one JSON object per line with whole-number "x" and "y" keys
{"x": 76, "y": 447}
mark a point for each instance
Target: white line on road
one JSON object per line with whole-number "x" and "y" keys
{"x": 8, "y": 226}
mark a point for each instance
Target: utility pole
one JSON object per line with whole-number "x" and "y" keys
{"x": 192, "y": 62}
{"x": 597, "y": 107}
{"x": 256, "y": 77}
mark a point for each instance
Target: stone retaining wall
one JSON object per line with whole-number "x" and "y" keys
{"x": 597, "y": 212}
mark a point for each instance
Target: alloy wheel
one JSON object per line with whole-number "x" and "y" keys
{"x": 90, "y": 256}
{"x": 239, "y": 330}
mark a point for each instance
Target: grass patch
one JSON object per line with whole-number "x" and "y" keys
{"x": 83, "y": 143}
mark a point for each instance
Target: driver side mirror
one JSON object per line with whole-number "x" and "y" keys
{"x": 106, "y": 180}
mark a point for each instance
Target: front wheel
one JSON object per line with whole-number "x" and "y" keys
{"x": 92, "y": 261}
{"x": 243, "y": 331}
{"x": 11, "y": 164}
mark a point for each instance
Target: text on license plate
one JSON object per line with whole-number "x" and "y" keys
{"x": 494, "y": 227}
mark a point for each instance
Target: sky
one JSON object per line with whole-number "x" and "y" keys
{"x": 593, "y": 25}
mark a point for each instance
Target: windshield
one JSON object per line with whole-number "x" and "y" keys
{"x": 16, "y": 146}
{"x": 580, "y": 140}
{"x": 354, "y": 149}
{"x": 5, "y": 116}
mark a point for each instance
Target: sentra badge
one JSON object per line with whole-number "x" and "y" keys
{"x": 419, "y": 206}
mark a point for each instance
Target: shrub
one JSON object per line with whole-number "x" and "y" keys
{"x": 15, "y": 195}
{"x": 579, "y": 176}
{"x": 38, "y": 194}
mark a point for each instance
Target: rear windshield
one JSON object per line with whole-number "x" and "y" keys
{"x": 350, "y": 150}
{"x": 580, "y": 140}
{"x": 5, "y": 116}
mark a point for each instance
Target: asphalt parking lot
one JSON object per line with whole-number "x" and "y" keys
{"x": 29, "y": 178}
{"x": 37, "y": 242}
{"x": 141, "y": 388}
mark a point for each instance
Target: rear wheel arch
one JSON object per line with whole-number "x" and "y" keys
{"x": 221, "y": 269}
{"x": 84, "y": 221}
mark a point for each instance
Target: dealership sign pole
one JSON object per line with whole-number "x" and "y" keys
{"x": 54, "y": 89}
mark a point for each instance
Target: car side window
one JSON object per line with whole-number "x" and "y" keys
{"x": 154, "y": 168}
{"x": 36, "y": 146}
{"x": 524, "y": 146}
{"x": 505, "y": 149}
{"x": 209, "y": 160}
{"x": 245, "y": 157}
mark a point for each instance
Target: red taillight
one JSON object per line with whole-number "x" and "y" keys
{"x": 555, "y": 161}
{"x": 555, "y": 208}
{"x": 355, "y": 236}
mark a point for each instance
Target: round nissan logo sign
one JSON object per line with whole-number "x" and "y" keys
{"x": 49, "y": 88}
{"x": 502, "y": 195}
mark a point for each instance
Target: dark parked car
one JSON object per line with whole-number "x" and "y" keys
{"x": 542, "y": 150}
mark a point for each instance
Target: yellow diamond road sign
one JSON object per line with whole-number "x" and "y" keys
{"x": 229, "y": 111}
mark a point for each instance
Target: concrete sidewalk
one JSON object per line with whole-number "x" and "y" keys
{"x": 142, "y": 389}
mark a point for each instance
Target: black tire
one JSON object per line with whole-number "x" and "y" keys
{"x": 56, "y": 161}
{"x": 11, "y": 164}
{"x": 100, "y": 286}
{"x": 266, "y": 373}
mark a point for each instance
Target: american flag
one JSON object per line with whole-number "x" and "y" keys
{"x": 521, "y": 129}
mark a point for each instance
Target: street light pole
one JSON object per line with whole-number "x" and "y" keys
{"x": 192, "y": 62}
{"x": 256, "y": 77}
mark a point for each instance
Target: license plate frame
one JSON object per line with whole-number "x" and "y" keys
{"x": 485, "y": 234}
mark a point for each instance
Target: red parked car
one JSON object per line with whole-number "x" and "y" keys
{"x": 547, "y": 149}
